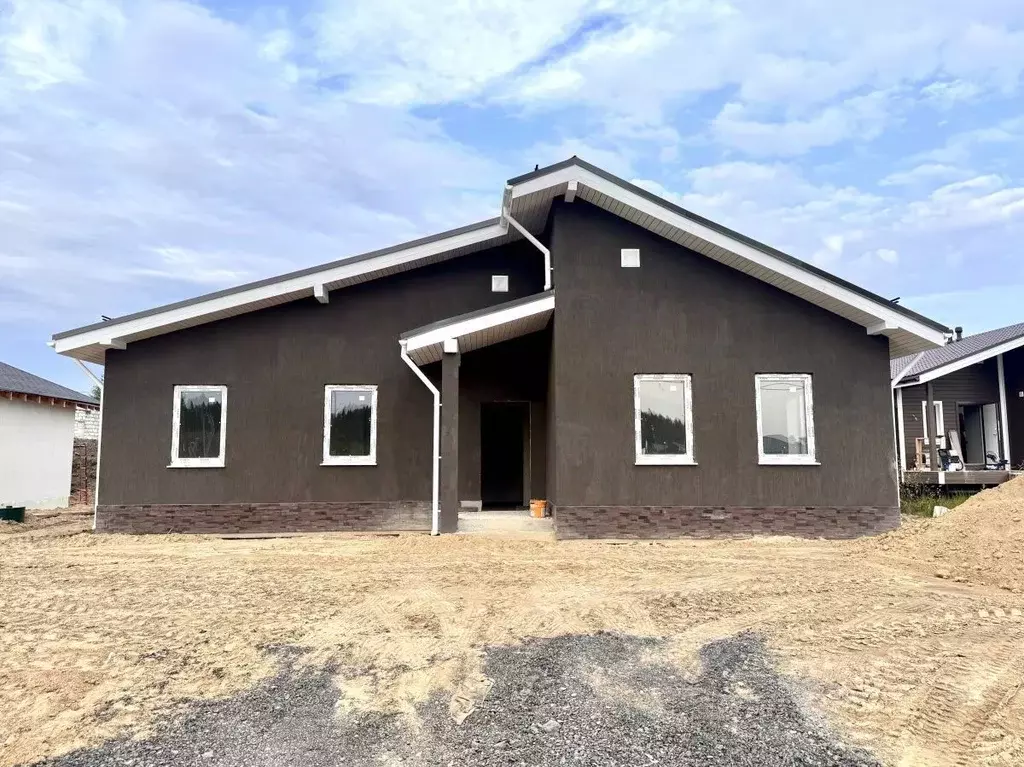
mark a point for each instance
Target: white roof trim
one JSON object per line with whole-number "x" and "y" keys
{"x": 428, "y": 346}
{"x": 115, "y": 334}
{"x": 883, "y": 319}
{"x": 965, "y": 362}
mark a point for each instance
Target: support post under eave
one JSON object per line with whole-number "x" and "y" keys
{"x": 449, "y": 481}
{"x": 1004, "y": 420}
{"x": 933, "y": 438}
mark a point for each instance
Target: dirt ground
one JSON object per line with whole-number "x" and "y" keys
{"x": 911, "y": 643}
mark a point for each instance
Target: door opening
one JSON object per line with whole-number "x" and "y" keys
{"x": 504, "y": 447}
{"x": 979, "y": 426}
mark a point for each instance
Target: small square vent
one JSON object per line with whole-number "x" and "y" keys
{"x": 631, "y": 258}
{"x": 499, "y": 283}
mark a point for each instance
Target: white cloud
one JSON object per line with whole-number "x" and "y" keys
{"x": 179, "y": 153}
{"x": 921, "y": 174}
{"x": 888, "y": 255}
{"x": 860, "y": 118}
{"x": 946, "y": 94}
{"x": 976, "y": 202}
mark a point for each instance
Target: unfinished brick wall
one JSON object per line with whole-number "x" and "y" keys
{"x": 722, "y": 522}
{"x": 301, "y": 517}
{"x": 83, "y": 472}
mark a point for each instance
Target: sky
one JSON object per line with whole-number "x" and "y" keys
{"x": 154, "y": 150}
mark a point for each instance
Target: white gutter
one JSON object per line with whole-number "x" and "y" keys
{"x": 89, "y": 373}
{"x": 507, "y": 216}
{"x": 900, "y": 435}
{"x": 435, "y": 484}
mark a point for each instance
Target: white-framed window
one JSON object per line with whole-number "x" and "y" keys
{"x": 940, "y": 425}
{"x": 350, "y": 425}
{"x": 663, "y": 419}
{"x": 785, "y": 419}
{"x": 199, "y": 426}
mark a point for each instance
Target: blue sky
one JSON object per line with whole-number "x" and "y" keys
{"x": 152, "y": 150}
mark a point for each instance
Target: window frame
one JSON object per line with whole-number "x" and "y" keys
{"x": 350, "y": 460}
{"x": 940, "y": 422}
{"x": 788, "y": 459}
{"x": 675, "y": 459}
{"x": 198, "y": 463}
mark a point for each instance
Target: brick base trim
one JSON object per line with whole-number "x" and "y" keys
{"x": 722, "y": 521}
{"x": 307, "y": 517}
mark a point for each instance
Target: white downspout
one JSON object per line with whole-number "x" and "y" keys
{"x": 435, "y": 484}
{"x": 535, "y": 242}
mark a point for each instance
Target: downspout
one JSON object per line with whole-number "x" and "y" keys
{"x": 435, "y": 483}
{"x": 506, "y": 216}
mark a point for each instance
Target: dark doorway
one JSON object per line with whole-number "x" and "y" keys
{"x": 504, "y": 442}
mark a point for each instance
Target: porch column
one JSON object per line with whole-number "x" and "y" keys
{"x": 1004, "y": 421}
{"x": 449, "y": 483}
{"x": 933, "y": 438}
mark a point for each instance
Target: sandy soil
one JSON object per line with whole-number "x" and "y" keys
{"x": 911, "y": 642}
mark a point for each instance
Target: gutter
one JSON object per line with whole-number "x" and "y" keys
{"x": 506, "y": 217}
{"x": 436, "y": 480}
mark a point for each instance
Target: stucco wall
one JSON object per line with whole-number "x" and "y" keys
{"x": 681, "y": 312}
{"x": 36, "y": 446}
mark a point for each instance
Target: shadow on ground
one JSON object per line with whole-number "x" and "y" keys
{"x": 588, "y": 700}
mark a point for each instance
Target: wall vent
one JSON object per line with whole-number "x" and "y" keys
{"x": 631, "y": 258}
{"x": 499, "y": 283}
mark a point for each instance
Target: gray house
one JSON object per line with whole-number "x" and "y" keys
{"x": 975, "y": 385}
{"x": 645, "y": 371}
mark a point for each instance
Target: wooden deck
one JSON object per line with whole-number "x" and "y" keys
{"x": 982, "y": 478}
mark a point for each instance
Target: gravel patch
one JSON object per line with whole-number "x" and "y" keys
{"x": 591, "y": 700}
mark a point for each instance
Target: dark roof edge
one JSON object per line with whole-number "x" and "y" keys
{"x": 800, "y": 264}
{"x": 281, "y": 277}
{"x": 80, "y": 399}
{"x": 984, "y": 350}
{"x": 474, "y": 314}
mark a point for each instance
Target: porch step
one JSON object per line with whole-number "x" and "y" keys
{"x": 506, "y": 524}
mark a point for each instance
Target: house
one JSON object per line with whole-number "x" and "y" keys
{"x": 975, "y": 385}
{"x": 646, "y": 371}
{"x": 37, "y": 437}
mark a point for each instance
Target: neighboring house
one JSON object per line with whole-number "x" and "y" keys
{"x": 37, "y": 437}
{"x": 976, "y": 386}
{"x": 645, "y": 370}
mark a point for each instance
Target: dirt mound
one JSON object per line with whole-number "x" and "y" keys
{"x": 980, "y": 541}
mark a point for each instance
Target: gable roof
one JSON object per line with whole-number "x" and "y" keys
{"x": 528, "y": 199}
{"x": 947, "y": 359}
{"x": 18, "y": 381}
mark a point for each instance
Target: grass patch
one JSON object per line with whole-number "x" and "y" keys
{"x": 921, "y": 501}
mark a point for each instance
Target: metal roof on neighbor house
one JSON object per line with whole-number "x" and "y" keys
{"x": 528, "y": 199}
{"x": 992, "y": 342}
{"x": 16, "y": 380}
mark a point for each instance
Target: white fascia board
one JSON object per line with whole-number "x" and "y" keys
{"x": 966, "y": 362}
{"x": 886, "y": 318}
{"x": 304, "y": 284}
{"x": 476, "y": 324}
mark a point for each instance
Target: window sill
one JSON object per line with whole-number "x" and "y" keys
{"x": 350, "y": 462}
{"x": 789, "y": 462}
{"x": 212, "y": 465}
{"x": 664, "y": 460}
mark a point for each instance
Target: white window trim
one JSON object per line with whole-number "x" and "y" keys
{"x": 811, "y": 459}
{"x": 198, "y": 463}
{"x": 681, "y": 459}
{"x": 350, "y": 460}
{"x": 940, "y": 422}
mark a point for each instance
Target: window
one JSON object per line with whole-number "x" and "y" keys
{"x": 785, "y": 419}
{"x": 940, "y": 426}
{"x": 630, "y": 258}
{"x": 199, "y": 426}
{"x": 499, "y": 283}
{"x": 663, "y": 419}
{"x": 350, "y": 426}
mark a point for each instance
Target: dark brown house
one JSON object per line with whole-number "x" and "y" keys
{"x": 975, "y": 385}
{"x": 646, "y": 371}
